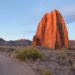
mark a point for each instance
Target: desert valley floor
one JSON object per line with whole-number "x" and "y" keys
{"x": 56, "y": 62}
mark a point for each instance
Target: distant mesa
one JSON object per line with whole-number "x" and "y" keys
{"x": 51, "y": 31}
{"x": 72, "y": 44}
{"x": 23, "y": 42}
{"x": 19, "y": 42}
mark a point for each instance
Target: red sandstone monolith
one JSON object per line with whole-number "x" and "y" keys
{"x": 51, "y": 31}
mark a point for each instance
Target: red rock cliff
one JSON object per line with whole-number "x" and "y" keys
{"x": 51, "y": 31}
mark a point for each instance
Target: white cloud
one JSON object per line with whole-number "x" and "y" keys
{"x": 68, "y": 10}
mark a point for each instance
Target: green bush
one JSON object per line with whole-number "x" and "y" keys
{"x": 46, "y": 72}
{"x": 28, "y": 53}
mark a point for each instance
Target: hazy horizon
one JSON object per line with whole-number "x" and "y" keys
{"x": 20, "y": 18}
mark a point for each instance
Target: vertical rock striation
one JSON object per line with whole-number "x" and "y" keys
{"x": 51, "y": 31}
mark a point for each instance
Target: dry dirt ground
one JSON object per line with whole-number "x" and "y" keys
{"x": 57, "y": 62}
{"x": 10, "y": 66}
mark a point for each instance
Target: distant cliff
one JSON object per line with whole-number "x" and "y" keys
{"x": 20, "y": 42}
{"x": 72, "y": 44}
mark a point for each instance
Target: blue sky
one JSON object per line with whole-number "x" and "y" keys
{"x": 19, "y": 18}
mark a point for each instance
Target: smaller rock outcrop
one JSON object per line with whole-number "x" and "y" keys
{"x": 72, "y": 44}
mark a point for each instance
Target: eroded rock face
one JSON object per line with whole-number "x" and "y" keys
{"x": 51, "y": 31}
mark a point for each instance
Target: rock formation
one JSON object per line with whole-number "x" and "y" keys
{"x": 19, "y": 42}
{"x": 51, "y": 31}
{"x": 72, "y": 44}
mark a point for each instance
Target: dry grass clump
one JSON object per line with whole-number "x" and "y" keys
{"x": 29, "y": 53}
{"x": 46, "y": 72}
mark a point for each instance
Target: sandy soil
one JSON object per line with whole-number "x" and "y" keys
{"x": 10, "y": 66}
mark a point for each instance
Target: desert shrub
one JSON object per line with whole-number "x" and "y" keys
{"x": 63, "y": 59}
{"x": 10, "y": 49}
{"x": 20, "y": 55}
{"x": 2, "y": 48}
{"x": 46, "y": 72}
{"x": 62, "y": 56}
{"x": 28, "y": 53}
